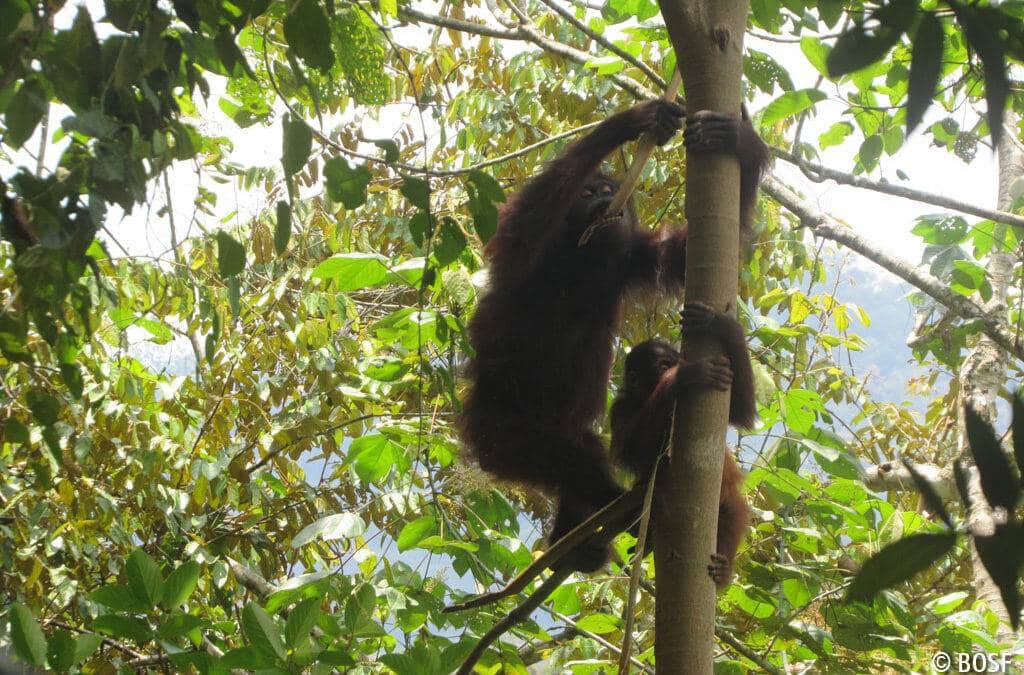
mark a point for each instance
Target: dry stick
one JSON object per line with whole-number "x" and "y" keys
{"x": 518, "y": 614}
{"x": 638, "y": 559}
{"x": 612, "y": 517}
{"x": 643, "y": 153}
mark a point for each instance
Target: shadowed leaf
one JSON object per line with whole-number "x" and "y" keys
{"x": 931, "y": 498}
{"x": 898, "y": 562}
{"x": 1002, "y": 555}
{"x": 309, "y": 34}
{"x": 984, "y": 38}
{"x": 998, "y": 479}
{"x": 925, "y": 68}
{"x": 282, "y": 227}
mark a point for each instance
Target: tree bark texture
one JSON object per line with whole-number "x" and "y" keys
{"x": 707, "y": 36}
{"x": 983, "y": 372}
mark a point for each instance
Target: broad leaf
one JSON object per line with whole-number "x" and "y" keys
{"x": 262, "y": 631}
{"x": 308, "y": 34}
{"x": 144, "y": 577}
{"x": 282, "y": 227}
{"x": 790, "y": 104}
{"x": 26, "y": 636}
{"x": 301, "y": 620}
{"x": 329, "y": 528}
{"x": 24, "y": 113}
{"x": 180, "y": 583}
{"x": 925, "y": 68}
{"x": 898, "y": 562}
{"x": 345, "y": 184}
{"x": 998, "y": 478}
{"x": 230, "y": 255}
{"x": 353, "y": 271}
{"x": 296, "y": 144}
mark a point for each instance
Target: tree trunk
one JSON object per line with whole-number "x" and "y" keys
{"x": 708, "y": 39}
{"x": 984, "y": 370}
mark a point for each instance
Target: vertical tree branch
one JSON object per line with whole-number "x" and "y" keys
{"x": 983, "y": 373}
{"x": 708, "y": 39}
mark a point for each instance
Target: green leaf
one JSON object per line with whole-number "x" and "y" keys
{"x": 485, "y": 214}
{"x": 26, "y": 636}
{"x": 119, "y": 598}
{"x": 121, "y": 627}
{"x": 925, "y": 68}
{"x": 487, "y": 186}
{"x": 417, "y": 191}
{"x": 24, "y": 112}
{"x": 998, "y": 479}
{"x": 282, "y": 227}
{"x": 44, "y": 407}
{"x": 816, "y": 52}
{"x": 309, "y": 34}
{"x": 329, "y": 528}
{"x": 296, "y": 144}
{"x": 858, "y": 47}
{"x": 362, "y": 56}
{"x": 301, "y": 620}
{"x": 941, "y": 230}
{"x": 898, "y": 562}
{"x": 790, "y": 104}
{"x": 599, "y": 623}
{"x": 451, "y": 243}
{"x": 230, "y": 255}
{"x": 11, "y": 14}
{"x": 389, "y": 147}
{"x": 1002, "y": 554}
{"x": 345, "y": 184}
{"x": 247, "y": 658}
{"x": 176, "y": 624}
{"x": 144, "y": 577}
{"x": 16, "y": 432}
{"x": 60, "y": 650}
{"x": 262, "y": 631}
{"x": 415, "y": 532}
{"x": 374, "y": 456}
{"x": 124, "y": 14}
{"x": 71, "y": 374}
{"x": 85, "y": 645}
{"x": 835, "y": 135}
{"x": 180, "y": 583}
{"x": 353, "y": 271}
{"x": 234, "y": 295}
{"x": 870, "y": 151}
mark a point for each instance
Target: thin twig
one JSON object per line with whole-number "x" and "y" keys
{"x": 637, "y": 571}
{"x": 518, "y": 614}
{"x": 612, "y": 518}
{"x": 606, "y": 43}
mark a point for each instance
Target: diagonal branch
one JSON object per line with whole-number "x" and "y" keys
{"x": 843, "y": 178}
{"x": 823, "y": 225}
{"x": 605, "y": 42}
{"x": 528, "y": 33}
